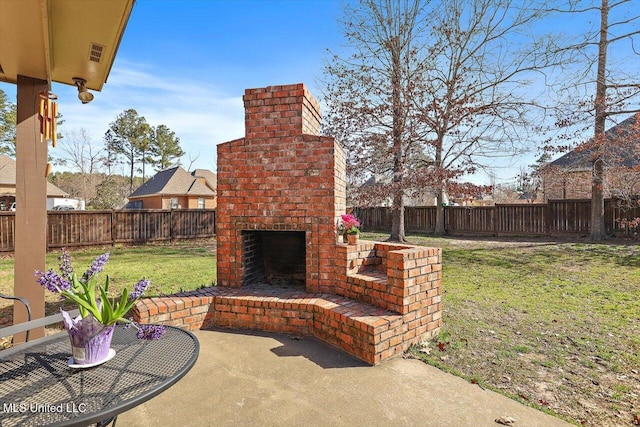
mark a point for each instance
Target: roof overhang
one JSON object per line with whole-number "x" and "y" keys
{"x": 57, "y": 40}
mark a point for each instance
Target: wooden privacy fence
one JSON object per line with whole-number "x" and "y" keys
{"x": 98, "y": 228}
{"x": 555, "y": 218}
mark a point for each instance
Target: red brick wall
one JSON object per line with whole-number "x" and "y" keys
{"x": 408, "y": 280}
{"x": 567, "y": 185}
{"x": 280, "y": 112}
{"x": 281, "y": 176}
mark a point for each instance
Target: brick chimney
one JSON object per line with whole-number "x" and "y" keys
{"x": 281, "y": 177}
{"x": 280, "y": 112}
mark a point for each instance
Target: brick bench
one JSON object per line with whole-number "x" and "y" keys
{"x": 387, "y": 298}
{"x": 369, "y": 333}
{"x": 397, "y": 277}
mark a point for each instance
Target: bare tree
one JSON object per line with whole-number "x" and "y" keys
{"x": 476, "y": 97}
{"x": 605, "y": 88}
{"x": 369, "y": 97}
{"x": 437, "y": 89}
{"x": 192, "y": 161}
{"x": 78, "y": 151}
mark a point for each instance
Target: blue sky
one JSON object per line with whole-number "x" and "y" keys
{"x": 186, "y": 64}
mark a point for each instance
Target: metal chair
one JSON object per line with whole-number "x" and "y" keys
{"x": 27, "y": 306}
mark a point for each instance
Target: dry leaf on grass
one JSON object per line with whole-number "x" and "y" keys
{"x": 505, "y": 421}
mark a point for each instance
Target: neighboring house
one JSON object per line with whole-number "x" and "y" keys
{"x": 569, "y": 177}
{"x": 426, "y": 197}
{"x": 8, "y": 184}
{"x": 175, "y": 188}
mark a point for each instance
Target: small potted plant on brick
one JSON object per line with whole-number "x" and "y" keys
{"x": 350, "y": 225}
{"x": 90, "y": 333}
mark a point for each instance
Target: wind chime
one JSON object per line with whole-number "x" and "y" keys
{"x": 47, "y": 113}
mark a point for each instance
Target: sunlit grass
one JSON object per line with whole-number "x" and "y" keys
{"x": 170, "y": 268}
{"x": 559, "y": 313}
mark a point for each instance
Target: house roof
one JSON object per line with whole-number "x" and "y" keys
{"x": 174, "y": 181}
{"x": 618, "y": 154}
{"x": 210, "y": 177}
{"x": 8, "y": 177}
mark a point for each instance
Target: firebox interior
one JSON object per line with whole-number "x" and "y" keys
{"x": 275, "y": 258}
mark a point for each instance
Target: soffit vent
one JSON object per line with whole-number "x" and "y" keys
{"x": 95, "y": 53}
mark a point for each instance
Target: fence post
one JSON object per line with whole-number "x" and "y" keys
{"x": 112, "y": 218}
{"x": 47, "y": 231}
{"x": 547, "y": 219}
{"x": 171, "y": 233}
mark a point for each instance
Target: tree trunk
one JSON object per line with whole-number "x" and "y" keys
{"x": 597, "y": 231}
{"x": 397, "y": 209}
{"x": 397, "y": 222}
{"x": 131, "y": 177}
{"x": 439, "y": 230}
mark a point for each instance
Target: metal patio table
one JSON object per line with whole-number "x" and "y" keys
{"x": 38, "y": 387}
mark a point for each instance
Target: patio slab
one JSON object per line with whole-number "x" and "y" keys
{"x": 245, "y": 378}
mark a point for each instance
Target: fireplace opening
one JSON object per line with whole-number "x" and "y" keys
{"x": 276, "y": 258}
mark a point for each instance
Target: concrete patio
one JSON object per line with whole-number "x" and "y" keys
{"x": 249, "y": 378}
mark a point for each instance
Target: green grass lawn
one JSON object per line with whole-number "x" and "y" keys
{"x": 171, "y": 268}
{"x": 552, "y": 324}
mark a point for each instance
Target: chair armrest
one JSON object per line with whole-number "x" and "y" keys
{"x": 33, "y": 324}
{"x": 25, "y": 302}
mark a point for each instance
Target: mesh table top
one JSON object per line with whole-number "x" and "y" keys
{"x": 37, "y": 387}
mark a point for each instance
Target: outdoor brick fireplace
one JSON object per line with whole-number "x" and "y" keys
{"x": 281, "y": 191}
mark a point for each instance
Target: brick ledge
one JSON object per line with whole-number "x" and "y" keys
{"x": 369, "y": 333}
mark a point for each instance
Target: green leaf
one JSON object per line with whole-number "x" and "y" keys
{"x": 107, "y": 309}
{"x": 82, "y": 304}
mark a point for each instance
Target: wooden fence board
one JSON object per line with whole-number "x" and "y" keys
{"x": 81, "y": 228}
{"x": 193, "y": 223}
{"x": 556, "y": 218}
{"x": 7, "y": 231}
{"x": 519, "y": 219}
{"x": 467, "y": 220}
{"x": 420, "y": 218}
{"x": 100, "y": 228}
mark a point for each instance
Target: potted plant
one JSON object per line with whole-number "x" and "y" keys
{"x": 350, "y": 225}
{"x": 91, "y": 332}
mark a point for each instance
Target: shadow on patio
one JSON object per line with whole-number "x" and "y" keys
{"x": 268, "y": 379}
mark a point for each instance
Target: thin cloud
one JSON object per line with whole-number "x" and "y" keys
{"x": 200, "y": 114}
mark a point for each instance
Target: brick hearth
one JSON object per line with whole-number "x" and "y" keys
{"x": 281, "y": 190}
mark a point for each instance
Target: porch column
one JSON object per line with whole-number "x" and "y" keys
{"x": 31, "y": 202}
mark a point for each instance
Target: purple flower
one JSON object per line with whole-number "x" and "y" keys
{"x": 150, "y": 332}
{"x": 97, "y": 266}
{"x": 138, "y": 289}
{"x": 146, "y": 332}
{"x": 52, "y": 281}
{"x": 65, "y": 264}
